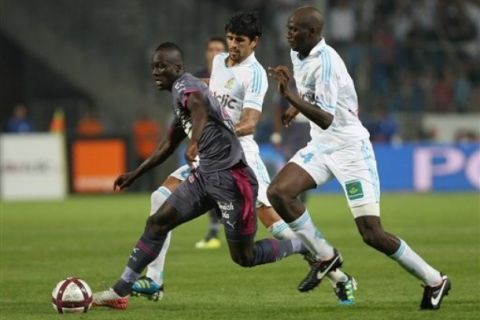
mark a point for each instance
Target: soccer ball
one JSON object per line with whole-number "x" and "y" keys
{"x": 72, "y": 295}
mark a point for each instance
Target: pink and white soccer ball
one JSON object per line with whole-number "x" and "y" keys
{"x": 72, "y": 295}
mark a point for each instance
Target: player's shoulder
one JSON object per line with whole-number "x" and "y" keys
{"x": 188, "y": 82}
{"x": 219, "y": 58}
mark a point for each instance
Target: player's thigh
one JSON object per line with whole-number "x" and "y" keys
{"x": 355, "y": 168}
{"x": 234, "y": 192}
{"x": 260, "y": 170}
{"x": 191, "y": 198}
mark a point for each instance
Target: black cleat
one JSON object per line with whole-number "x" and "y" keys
{"x": 318, "y": 270}
{"x": 433, "y": 296}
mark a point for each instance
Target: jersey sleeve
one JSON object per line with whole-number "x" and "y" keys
{"x": 326, "y": 86}
{"x": 186, "y": 88}
{"x": 256, "y": 85}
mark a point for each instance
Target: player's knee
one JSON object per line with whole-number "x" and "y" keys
{"x": 275, "y": 193}
{"x": 155, "y": 226}
{"x": 373, "y": 238}
{"x": 245, "y": 261}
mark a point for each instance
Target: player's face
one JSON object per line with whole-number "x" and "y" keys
{"x": 239, "y": 47}
{"x": 297, "y": 35}
{"x": 214, "y": 48}
{"x": 164, "y": 71}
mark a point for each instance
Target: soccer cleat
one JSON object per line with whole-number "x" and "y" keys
{"x": 433, "y": 296}
{"x": 344, "y": 291}
{"x": 148, "y": 288}
{"x": 212, "y": 243}
{"x": 318, "y": 270}
{"x": 109, "y": 298}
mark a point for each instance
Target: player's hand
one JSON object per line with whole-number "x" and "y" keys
{"x": 191, "y": 153}
{"x": 282, "y": 75}
{"x": 289, "y": 115}
{"x": 123, "y": 181}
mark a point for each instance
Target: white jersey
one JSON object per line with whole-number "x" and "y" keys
{"x": 322, "y": 79}
{"x": 241, "y": 86}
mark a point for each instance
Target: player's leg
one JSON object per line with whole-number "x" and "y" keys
{"x": 211, "y": 240}
{"x": 236, "y": 198}
{"x": 283, "y": 193}
{"x": 151, "y": 285}
{"x": 362, "y": 188}
{"x": 187, "y": 202}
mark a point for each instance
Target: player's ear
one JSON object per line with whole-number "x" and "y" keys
{"x": 254, "y": 42}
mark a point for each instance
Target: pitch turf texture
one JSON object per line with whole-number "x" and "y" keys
{"x": 91, "y": 237}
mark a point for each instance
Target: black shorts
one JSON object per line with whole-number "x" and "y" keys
{"x": 232, "y": 192}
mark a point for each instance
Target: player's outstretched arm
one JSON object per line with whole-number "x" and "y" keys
{"x": 199, "y": 112}
{"x": 163, "y": 151}
{"x": 320, "y": 117}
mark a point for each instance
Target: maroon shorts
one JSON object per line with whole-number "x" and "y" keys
{"x": 231, "y": 192}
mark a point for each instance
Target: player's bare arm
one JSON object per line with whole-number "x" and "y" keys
{"x": 320, "y": 117}
{"x": 166, "y": 147}
{"x": 199, "y": 111}
{"x": 248, "y": 122}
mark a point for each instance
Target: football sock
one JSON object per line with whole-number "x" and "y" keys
{"x": 271, "y": 250}
{"x": 157, "y": 198}
{"x": 280, "y": 230}
{"x": 213, "y": 227}
{"x": 311, "y": 237}
{"x": 415, "y": 265}
{"x": 145, "y": 251}
{"x": 155, "y": 269}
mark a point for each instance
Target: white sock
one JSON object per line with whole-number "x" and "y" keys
{"x": 311, "y": 237}
{"x": 281, "y": 231}
{"x": 415, "y": 265}
{"x": 155, "y": 268}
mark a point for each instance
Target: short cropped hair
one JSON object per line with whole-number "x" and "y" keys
{"x": 170, "y": 46}
{"x": 245, "y": 24}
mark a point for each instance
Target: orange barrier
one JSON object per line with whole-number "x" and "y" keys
{"x": 96, "y": 163}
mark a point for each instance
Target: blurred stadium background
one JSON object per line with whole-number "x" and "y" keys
{"x": 75, "y": 79}
{"x": 415, "y": 64}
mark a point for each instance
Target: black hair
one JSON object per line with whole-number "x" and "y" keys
{"x": 245, "y": 24}
{"x": 172, "y": 47}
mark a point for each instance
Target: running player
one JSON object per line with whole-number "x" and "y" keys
{"x": 239, "y": 82}
{"x": 340, "y": 148}
{"x": 221, "y": 181}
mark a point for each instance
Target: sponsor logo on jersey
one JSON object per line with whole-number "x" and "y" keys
{"x": 354, "y": 190}
{"x": 226, "y": 101}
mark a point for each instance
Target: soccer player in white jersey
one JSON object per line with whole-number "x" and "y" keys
{"x": 339, "y": 148}
{"x": 239, "y": 82}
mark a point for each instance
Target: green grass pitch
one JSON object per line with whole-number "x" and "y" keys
{"x": 91, "y": 237}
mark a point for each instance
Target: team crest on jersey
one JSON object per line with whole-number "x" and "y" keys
{"x": 229, "y": 83}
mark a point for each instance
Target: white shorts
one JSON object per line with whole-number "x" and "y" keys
{"x": 255, "y": 163}
{"x": 181, "y": 173}
{"x": 354, "y": 166}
